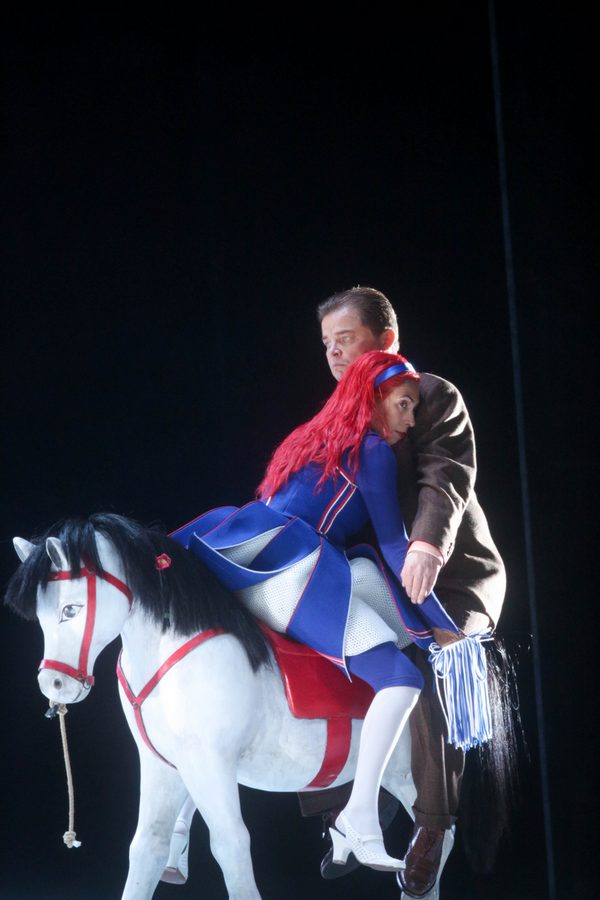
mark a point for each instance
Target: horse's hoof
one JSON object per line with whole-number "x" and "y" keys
{"x": 173, "y": 876}
{"x": 176, "y": 870}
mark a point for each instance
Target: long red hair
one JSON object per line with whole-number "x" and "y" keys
{"x": 340, "y": 425}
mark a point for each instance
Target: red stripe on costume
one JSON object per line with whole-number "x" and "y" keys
{"x": 331, "y": 506}
{"x": 339, "y": 509}
{"x": 345, "y": 475}
{"x": 337, "y": 500}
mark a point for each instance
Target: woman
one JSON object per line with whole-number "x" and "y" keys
{"x": 286, "y": 556}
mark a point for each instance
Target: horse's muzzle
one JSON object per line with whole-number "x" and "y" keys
{"x": 61, "y": 688}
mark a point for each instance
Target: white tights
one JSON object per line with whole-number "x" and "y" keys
{"x": 383, "y": 724}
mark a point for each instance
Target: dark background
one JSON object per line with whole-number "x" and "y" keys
{"x": 177, "y": 198}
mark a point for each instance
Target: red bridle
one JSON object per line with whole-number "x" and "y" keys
{"x": 81, "y": 674}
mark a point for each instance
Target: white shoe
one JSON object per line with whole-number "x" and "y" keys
{"x": 176, "y": 870}
{"x": 367, "y": 848}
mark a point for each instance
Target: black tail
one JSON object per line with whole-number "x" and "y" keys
{"x": 490, "y": 783}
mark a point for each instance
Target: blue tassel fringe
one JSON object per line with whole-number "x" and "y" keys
{"x": 461, "y": 677}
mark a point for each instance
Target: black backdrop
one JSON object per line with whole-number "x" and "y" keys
{"x": 177, "y": 200}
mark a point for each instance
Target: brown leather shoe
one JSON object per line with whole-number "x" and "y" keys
{"x": 422, "y": 861}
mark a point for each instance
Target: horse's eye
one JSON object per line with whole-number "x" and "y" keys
{"x": 69, "y": 611}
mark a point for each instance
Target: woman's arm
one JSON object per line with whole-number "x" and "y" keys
{"x": 377, "y": 481}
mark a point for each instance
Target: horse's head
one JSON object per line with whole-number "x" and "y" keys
{"x": 80, "y": 609}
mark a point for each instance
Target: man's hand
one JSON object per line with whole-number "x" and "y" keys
{"x": 419, "y": 574}
{"x": 444, "y": 638}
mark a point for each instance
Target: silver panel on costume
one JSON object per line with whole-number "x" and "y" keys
{"x": 273, "y": 601}
{"x": 245, "y": 553}
{"x": 369, "y": 588}
{"x": 372, "y": 619}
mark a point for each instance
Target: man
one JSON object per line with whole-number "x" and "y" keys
{"x": 450, "y": 548}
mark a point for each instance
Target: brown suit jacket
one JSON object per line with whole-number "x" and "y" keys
{"x": 436, "y": 485}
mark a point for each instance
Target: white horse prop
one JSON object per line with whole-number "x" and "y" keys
{"x": 200, "y": 687}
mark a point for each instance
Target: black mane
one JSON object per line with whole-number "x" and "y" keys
{"x": 186, "y": 596}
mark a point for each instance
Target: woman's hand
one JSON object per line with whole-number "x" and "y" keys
{"x": 419, "y": 574}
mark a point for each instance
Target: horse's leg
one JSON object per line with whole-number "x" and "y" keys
{"x": 176, "y": 870}
{"x": 186, "y": 813}
{"x": 214, "y": 789}
{"x": 162, "y": 793}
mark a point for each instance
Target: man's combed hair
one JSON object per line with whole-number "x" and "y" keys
{"x": 373, "y": 307}
{"x": 339, "y": 426}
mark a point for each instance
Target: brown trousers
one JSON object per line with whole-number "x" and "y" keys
{"x": 437, "y": 766}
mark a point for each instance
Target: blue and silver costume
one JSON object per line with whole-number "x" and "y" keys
{"x": 288, "y": 559}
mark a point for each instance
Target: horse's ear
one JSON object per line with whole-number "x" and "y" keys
{"x": 23, "y": 548}
{"x": 56, "y": 552}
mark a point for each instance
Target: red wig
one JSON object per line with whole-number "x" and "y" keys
{"x": 340, "y": 425}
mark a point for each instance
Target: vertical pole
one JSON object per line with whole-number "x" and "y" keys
{"x": 520, "y": 421}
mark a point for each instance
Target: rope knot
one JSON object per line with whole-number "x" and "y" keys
{"x": 69, "y": 839}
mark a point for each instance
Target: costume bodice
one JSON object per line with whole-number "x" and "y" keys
{"x": 335, "y": 509}
{"x": 345, "y": 502}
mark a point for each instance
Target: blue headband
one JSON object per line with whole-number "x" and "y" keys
{"x": 396, "y": 369}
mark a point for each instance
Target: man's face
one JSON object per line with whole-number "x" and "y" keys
{"x": 345, "y": 338}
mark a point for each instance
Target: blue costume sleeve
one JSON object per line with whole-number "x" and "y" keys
{"x": 376, "y": 481}
{"x": 461, "y": 666}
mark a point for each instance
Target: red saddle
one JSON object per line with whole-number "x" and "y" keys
{"x": 315, "y": 688}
